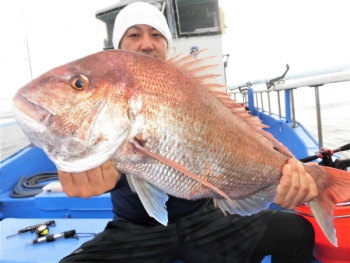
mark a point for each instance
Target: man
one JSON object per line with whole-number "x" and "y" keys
{"x": 197, "y": 231}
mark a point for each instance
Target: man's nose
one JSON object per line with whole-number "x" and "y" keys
{"x": 147, "y": 44}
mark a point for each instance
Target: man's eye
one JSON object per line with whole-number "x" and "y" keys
{"x": 133, "y": 35}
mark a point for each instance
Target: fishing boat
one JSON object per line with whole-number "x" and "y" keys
{"x": 31, "y": 201}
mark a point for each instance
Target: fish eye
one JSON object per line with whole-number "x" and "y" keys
{"x": 79, "y": 82}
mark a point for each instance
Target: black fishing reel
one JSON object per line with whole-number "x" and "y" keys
{"x": 326, "y": 156}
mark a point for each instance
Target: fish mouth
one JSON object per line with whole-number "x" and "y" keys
{"x": 29, "y": 111}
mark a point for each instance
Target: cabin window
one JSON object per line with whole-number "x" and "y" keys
{"x": 197, "y": 17}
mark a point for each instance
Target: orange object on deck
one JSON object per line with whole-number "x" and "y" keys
{"x": 324, "y": 250}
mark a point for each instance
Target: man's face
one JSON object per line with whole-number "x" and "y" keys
{"x": 146, "y": 40}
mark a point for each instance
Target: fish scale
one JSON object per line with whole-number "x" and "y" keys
{"x": 216, "y": 152}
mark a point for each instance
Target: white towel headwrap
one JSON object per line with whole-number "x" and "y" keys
{"x": 140, "y": 13}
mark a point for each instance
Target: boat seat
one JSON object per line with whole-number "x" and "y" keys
{"x": 65, "y": 206}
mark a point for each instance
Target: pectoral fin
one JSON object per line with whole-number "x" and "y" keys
{"x": 179, "y": 167}
{"x": 152, "y": 198}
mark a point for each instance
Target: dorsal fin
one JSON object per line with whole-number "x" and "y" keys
{"x": 206, "y": 78}
{"x": 173, "y": 59}
{"x": 256, "y": 123}
{"x": 196, "y": 62}
{"x": 202, "y": 74}
{"x": 198, "y": 69}
{"x": 180, "y": 62}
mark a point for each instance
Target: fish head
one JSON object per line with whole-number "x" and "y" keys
{"x": 77, "y": 113}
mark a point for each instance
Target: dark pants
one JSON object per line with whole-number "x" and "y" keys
{"x": 206, "y": 236}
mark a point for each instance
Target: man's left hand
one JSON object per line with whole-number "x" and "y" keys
{"x": 296, "y": 186}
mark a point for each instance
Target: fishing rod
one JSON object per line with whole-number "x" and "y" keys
{"x": 325, "y": 155}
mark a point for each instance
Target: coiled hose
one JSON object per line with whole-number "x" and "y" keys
{"x": 28, "y": 186}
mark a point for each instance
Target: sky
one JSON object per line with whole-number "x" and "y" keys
{"x": 261, "y": 37}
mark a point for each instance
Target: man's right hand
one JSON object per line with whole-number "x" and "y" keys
{"x": 90, "y": 183}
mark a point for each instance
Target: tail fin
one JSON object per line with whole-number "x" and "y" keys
{"x": 336, "y": 189}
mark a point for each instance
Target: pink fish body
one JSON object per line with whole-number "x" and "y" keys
{"x": 167, "y": 129}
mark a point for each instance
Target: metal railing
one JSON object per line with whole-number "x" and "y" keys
{"x": 247, "y": 94}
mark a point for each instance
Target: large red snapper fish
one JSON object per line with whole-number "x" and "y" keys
{"x": 164, "y": 125}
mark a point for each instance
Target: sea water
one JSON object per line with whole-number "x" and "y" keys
{"x": 335, "y": 114}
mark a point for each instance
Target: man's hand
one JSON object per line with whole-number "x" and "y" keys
{"x": 296, "y": 185}
{"x": 90, "y": 183}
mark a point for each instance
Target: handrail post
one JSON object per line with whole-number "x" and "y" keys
{"x": 251, "y": 101}
{"x": 319, "y": 121}
{"x": 293, "y": 108}
{"x": 279, "y": 103}
{"x": 287, "y": 103}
